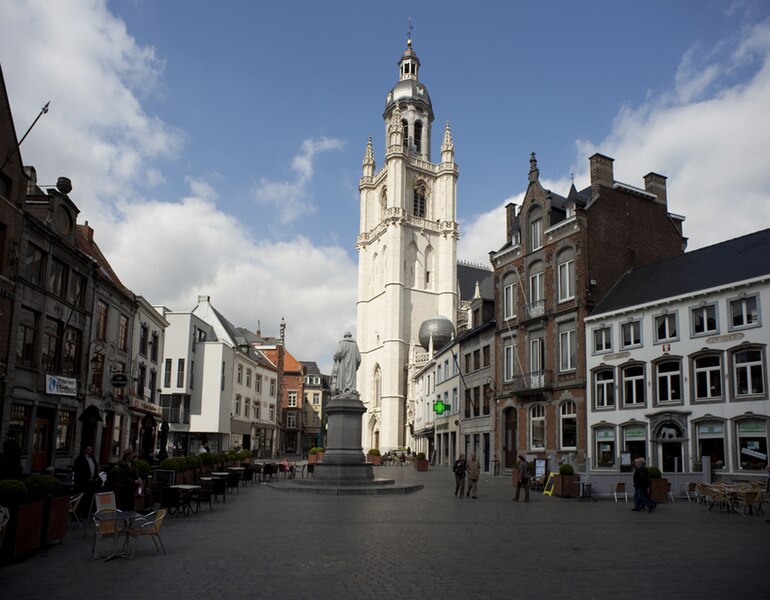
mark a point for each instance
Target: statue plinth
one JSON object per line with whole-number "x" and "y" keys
{"x": 344, "y": 461}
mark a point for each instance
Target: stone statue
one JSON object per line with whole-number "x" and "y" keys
{"x": 347, "y": 359}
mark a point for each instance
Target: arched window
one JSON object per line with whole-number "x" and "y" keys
{"x": 535, "y": 218}
{"x": 568, "y": 425}
{"x": 429, "y": 259}
{"x": 565, "y": 273}
{"x": 383, "y": 203}
{"x": 509, "y": 296}
{"x": 668, "y": 374}
{"x": 405, "y": 130}
{"x": 604, "y": 388}
{"x": 537, "y": 427}
{"x": 633, "y": 385}
{"x": 418, "y": 136}
{"x": 377, "y": 386}
{"x": 418, "y": 206}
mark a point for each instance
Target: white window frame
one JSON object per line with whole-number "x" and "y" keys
{"x": 637, "y": 386}
{"x": 713, "y": 375}
{"x": 566, "y": 280}
{"x": 509, "y": 301}
{"x": 292, "y": 399}
{"x": 237, "y": 409}
{"x": 748, "y": 367}
{"x": 536, "y": 234}
{"x": 703, "y": 311}
{"x": 668, "y": 377}
{"x": 749, "y": 318}
{"x": 509, "y": 353}
{"x": 602, "y": 339}
{"x": 291, "y": 420}
{"x": 604, "y": 389}
{"x": 567, "y": 411}
{"x": 635, "y": 327}
{"x": 668, "y": 321}
{"x": 568, "y": 341}
{"x": 536, "y": 419}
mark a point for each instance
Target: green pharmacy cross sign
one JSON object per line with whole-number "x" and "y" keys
{"x": 439, "y": 407}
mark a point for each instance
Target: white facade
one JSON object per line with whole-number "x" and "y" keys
{"x": 682, "y": 378}
{"x": 407, "y": 253}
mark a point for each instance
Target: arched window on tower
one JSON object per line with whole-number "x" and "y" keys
{"x": 377, "y": 381}
{"x": 405, "y": 130}
{"x": 429, "y": 260}
{"x": 418, "y": 207}
{"x": 411, "y": 265}
{"x": 418, "y": 137}
{"x": 383, "y": 203}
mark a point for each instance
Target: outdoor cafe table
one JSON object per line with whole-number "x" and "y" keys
{"x": 126, "y": 517}
{"x": 219, "y": 474}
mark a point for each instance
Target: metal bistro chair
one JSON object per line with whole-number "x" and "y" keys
{"x": 104, "y": 529}
{"x": 691, "y": 491}
{"x": 73, "y": 508}
{"x": 233, "y": 479}
{"x": 148, "y": 526}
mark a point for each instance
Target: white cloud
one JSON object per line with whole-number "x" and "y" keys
{"x": 78, "y": 55}
{"x": 708, "y": 134}
{"x": 290, "y": 198}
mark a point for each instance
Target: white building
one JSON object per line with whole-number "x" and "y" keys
{"x": 407, "y": 252}
{"x": 677, "y": 364}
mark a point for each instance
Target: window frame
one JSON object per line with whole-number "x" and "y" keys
{"x": 744, "y": 299}
{"x": 632, "y": 323}
{"x": 750, "y": 394}
{"x": 607, "y": 386}
{"x": 703, "y": 308}
{"x": 637, "y": 381}
{"x": 539, "y": 421}
{"x": 710, "y": 371}
{"x": 666, "y": 318}
{"x": 668, "y": 377}
{"x": 606, "y": 333}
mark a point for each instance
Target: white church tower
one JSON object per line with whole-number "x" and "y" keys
{"x": 407, "y": 252}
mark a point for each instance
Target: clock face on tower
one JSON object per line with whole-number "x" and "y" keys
{"x": 62, "y": 220}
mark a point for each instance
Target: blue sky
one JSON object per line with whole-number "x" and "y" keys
{"x": 216, "y": 147}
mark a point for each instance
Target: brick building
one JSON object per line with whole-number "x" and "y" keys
{"x": 562, "y": 255}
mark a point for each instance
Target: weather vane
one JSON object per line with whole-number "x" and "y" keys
{"x": 409, "y": 33}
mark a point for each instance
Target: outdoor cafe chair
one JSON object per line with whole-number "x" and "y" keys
{"x": 175, "y": 501}
{"x": 203, "y": 495}
{"x": 248, "y": 475}
{"x": 148, "y": 526}
{"x": 4, "y": 518}
{"x": 233, "y": 478}
{"x": 73, "y": 508}
{"x": 104, "y": 529}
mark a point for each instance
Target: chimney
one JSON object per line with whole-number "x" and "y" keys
{"x": 31, "y": 174}
{"x": 656, "y": 184}
{"x": 89, "y": 232}
{"x": 259, "y": 329}
{"x": 601, "y": 173}
{"x": 510, "y": 220}
{"x": 203, "y": 299}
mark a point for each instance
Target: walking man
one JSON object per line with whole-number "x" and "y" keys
{"x": 641, "y": 484}
{"x": 459, "y": 470}
{"x": 474, "y": 469}
{"x": 523, "y": 479}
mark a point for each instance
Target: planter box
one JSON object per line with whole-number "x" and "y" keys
{"x": 659, "y": 489}
{"x": 56, "y": 521}
{"x": 28, "y": 528}
{"x": 375, "y": 460}
{"x": 566, "y": 486}
{"x": 312, "y": 458}
{"x": 421, "y": 465}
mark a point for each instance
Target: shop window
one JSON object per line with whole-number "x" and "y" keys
{"x": 711, "y": 443}
{"x": 752, "y": 444}
{"x": 537, "y": 427}
{"x": 605, "y": 447}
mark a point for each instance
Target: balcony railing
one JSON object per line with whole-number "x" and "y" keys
{"x": 535, "y": 309}
{"x": 533, "y": 382}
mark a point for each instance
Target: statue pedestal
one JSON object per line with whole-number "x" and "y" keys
{"x": 344, "y": 460}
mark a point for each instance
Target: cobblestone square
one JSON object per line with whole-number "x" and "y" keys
{"x": 263, "y": 543}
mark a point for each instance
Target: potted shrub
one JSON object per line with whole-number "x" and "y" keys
{"x": 658, "y": 485}
{"x": 312, "y": 455}
{"x": 374, "y": 457}
{"x": 50, "y": 490}
{"x": 23, "y": 530}
{"x": 421, "y": 463}
{"x": 566, "y": 483}
{"x": 192, "y": 465}
{"x": 208, "y": 460}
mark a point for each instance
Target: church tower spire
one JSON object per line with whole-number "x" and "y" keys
{"x": 407, "y": 254}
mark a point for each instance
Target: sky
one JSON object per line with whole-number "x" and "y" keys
{"x": 216, "y": 147}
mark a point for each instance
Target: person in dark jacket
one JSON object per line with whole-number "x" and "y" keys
{"x": 459, "y": 471}
{"x": 128, "y": 482}
{"x": 86, "y": 479}
{"x": 523, "y": 479}
{"x": 642, "y": 499}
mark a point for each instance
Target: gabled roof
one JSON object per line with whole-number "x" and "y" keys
{"x": 468, "y": 275}
{"x": 290, "y": 364}
{"x": 733, "y": 261}
{"x": 84, "y": 242}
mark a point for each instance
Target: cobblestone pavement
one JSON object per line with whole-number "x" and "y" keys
{"x": 268, "y": 544}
